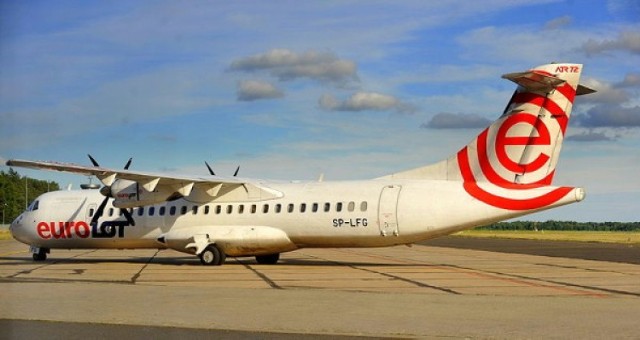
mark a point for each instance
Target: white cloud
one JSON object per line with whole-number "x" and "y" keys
{"x": 606, "y": 92}
{"x": 630, "y": 80}
{"x": 628, "y": 41}
{"x": 363, "y": 101}
{"x": 624, "y": 9}
{"x": 446, "y": 120}
{"x": 590, "y": 136}
{"x": 287, "y": 65}
{"x": 614, "y": 105}
{"x": 614, "y": 116}
{"x": 250, "y": 90}
{"x": 558, "y": 22}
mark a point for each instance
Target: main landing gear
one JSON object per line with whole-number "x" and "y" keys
{"x": 212, "y": 256}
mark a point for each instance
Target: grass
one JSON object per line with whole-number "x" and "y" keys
{"x": 558, "y": 235}
{"x": 5, "y": 235}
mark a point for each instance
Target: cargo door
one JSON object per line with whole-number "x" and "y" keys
{"x": 388, "y": 210}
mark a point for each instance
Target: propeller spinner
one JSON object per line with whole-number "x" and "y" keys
{"x": 106, "y": 192}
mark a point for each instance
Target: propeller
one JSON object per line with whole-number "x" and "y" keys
{"x": 213, "y": 173}
{"x": 106, "y": 192}
{"x": 210, "y": 170}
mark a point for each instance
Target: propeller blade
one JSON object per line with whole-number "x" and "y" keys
{"x": 236, "y": 173}
{"x": 106, "y": 191}
{"x": 210, "y": 170}
{"x": 93, "y": 161}
{"x": 127, "y": 215}
{"x": 99, "y": 212}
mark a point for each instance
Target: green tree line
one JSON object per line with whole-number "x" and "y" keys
{"x": 12, "y": 193}
{"x": 564, "y": 225}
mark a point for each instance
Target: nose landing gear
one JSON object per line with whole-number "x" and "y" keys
{"x": 39, "y": 254}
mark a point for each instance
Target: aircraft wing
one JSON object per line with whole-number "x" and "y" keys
{"x": 194, "y": 188}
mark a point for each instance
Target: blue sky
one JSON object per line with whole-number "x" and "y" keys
{"x": 291, "y": 89}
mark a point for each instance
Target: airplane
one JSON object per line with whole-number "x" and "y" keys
{"x": 504, "y": 172}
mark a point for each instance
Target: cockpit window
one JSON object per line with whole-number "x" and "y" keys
{"x": 33, "y": 206}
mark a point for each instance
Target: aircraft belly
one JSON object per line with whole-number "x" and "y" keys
{"x": 234, "y": 240}
{"x": 100, "y": 244}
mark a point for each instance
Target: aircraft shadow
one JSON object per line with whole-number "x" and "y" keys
{"x": 193, "y": 261}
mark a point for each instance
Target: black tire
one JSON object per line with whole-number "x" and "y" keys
{"x": 268, "y": 259}
{"x": 212, "y": 256}
{"x": 39, "y": 257}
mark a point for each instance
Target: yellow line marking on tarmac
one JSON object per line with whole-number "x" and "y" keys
{"x": 14, "y": 252}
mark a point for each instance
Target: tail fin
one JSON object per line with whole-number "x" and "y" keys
{"x": 522, "y": 147}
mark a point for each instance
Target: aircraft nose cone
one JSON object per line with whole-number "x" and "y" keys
{"x": 17, "y": 231}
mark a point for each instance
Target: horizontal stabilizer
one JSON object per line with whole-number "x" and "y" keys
{"x": 582, "y": 90}
{"x": 534, "y": 80}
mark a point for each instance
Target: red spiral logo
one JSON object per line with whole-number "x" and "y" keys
{"x": 505, "y": 188}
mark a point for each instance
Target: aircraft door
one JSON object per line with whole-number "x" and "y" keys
{"x": 388, "y": 210}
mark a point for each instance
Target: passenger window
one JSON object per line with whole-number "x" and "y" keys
{"x": 91, "y": 212}
{"x": 290, "y": 208}
{"x": 229, "y": 209}
{"x": 183, "y": 210}
{"x": 162, "y": 210}
{"x": 218, "y": 209}
{"x": 327, "y": 207}
{"x": 241, "y": 209}
{"x": 303, "y": 207}
{"x": 172, "y": 210}
{"x": 352, "y": 206}
{"x": 194, "y": 209}
{"x": 140, "y": 211}
{"x": 278, "y": 208}
{"x": 206, "y": 210}
{"x": 363, "y": 206}
{"x": 265, "y": 208}
{"x": 314, "y": 207}
{"x": 254, "y": 208}
{"x": 339, "y": 206}
{"x": 110, "y": 211}
{"x": 152, "y": 210}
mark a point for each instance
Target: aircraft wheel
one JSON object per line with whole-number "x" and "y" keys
{"x": 212, "y": 256}
{"x": 268, "y": 259}
{"x": 40, "y": 255}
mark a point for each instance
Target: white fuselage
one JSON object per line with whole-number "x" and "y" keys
{"x": 312, "y": 214}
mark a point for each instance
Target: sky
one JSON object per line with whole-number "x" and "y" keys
{"x": 295, "y": 89}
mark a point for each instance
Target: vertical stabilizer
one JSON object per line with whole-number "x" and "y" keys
{"x": 521, "y": 148}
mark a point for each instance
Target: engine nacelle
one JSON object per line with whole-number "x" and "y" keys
{"x": 129, "y": 194}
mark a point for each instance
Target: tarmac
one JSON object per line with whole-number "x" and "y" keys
{"x": 451, "y": 287}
